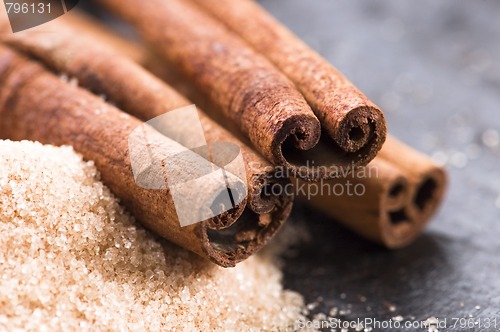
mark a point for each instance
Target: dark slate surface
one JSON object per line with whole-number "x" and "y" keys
{"x": 434, "y": 67}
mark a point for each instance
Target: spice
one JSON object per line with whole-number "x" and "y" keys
{"x": 134, "y": 90}
{"x": 410, "y": 187}
{"x": 264, "y": 105}
{"x": 353, "y": 121}
{"x": 36, "y": 105}
{"x": 84, "y": 264}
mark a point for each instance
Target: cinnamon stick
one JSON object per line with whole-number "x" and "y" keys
{"x": 260, "y": 100}
{"x": 333, "y": 98}
{"x": 384, "y": 202}
{"x": 134, "y": 90}
{"x": 344, "y": 112}
{"x": 387, "y": 212}
{"x": 371, "y": 202}
{"x": 37, "y": 105}
{"x": 427, "y": 180}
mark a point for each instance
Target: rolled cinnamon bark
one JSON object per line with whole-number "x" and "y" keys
{"x": 333, "y": 99}
{"x": 387, "y": 211}
{"x": 134, "y": 90}
{"x": 395, "y": 199}
{"x": 37, "y": 105}
{"x": 344, "y": 112}
{"x": 427, "y": 180}
{"x": 372, "y": 202}
{"x": 251, "y": 92}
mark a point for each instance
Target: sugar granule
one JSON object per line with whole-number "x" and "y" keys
{"x": 71, "y": 258}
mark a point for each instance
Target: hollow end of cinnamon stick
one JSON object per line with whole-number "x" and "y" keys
{"x": 359, "y": 137}
{"x": 247, "y": 235}
{"x": 396, "y": 193}
{"x": 393, "y": 225}
{"x": 403, "y": 223}
{"x": 361, "y": 133}
{"x": 428, "y": 181}
{"x": 428, "y": 193}
{"x": 268, "y": 192}
{"x": 397, "y": 228}
{"x": 268, "y": 206}
{"x": 396, "y": 225}
{"x": 401, "y": 226}
{"x": 384, "y": 213}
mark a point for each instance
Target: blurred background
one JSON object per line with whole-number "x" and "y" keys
{"x": 434, "y": 68}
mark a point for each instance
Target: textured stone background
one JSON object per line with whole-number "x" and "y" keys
{"x": 434, "y": 67}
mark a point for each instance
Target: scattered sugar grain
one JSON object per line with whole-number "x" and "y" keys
{"x": 344, "y": 312}
{"x": 431, "y": 324}
{"x": 312, "y": 306}
{"x": 72, "y": 259}
{"x": 333, "y": 312}
{"x": 320, "y": 317}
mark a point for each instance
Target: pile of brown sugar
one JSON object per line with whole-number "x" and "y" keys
{"x": 71, "y": 258}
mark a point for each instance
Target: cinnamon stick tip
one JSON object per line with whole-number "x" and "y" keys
{"x": 397, "y": 227}
{"x": 403, "y": 225}
{"x": 362, "y": 131}
{"x": 269, "y": 191}
{"x": 247, "y": 235}
{"x": 429, "y": 192}
{"x": 396, "y": 193}
{"x": 301, "y": 131}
